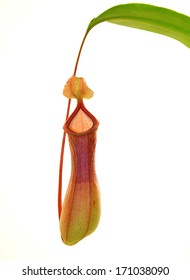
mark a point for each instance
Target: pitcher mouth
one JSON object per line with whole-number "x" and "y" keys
{"x": 81, "y": 121}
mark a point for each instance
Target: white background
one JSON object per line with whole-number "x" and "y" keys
{"x": 142, "y": 100}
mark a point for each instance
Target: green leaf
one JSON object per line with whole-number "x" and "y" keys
{"x": 148, "y": 17}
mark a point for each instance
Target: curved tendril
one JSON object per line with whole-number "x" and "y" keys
{"x": 64, "y": 136}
